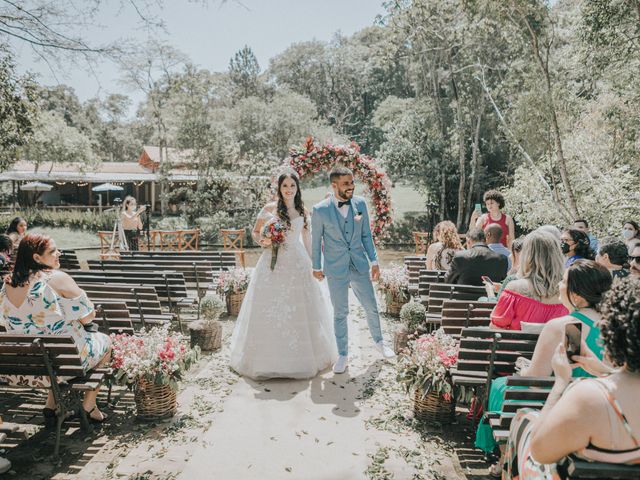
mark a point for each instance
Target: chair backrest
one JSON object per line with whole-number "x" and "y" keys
{"x": 459, "y": 314}
{"x": 113, "y": 317}
{"x": 196, "y": 273}
{"x": 426, "y": 278}
{"x": 69, "y": 260}
{"x": 439, "y": 292}
{"x": 414, "y": 264}
{"x": 422, "y": 240}
{"x": 135, "y": 297}
{"x": 233, "y": 240}
{"x": 39, "y": 355}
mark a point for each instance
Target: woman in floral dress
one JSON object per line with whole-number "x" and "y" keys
{"x": 38, "y": 299}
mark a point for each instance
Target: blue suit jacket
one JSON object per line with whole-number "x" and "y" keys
{"x": 340, "y": 252}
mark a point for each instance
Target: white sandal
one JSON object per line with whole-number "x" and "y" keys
{"x": 496, "y": 470}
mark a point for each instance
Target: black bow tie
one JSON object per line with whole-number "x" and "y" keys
{"x": 341, "y": 204}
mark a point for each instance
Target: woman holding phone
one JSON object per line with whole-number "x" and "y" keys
{"x": 582, "y": 288}
{"x": 494, "y": 201}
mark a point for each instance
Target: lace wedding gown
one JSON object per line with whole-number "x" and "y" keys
{"x": 285, "y": 327}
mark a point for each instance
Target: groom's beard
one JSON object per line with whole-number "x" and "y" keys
{"x": 345, "y": 195}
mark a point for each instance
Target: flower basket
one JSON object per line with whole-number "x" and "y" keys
{"x": 234, "y": 302}
{"x": 434, "y": 408}
{"x": 400, "y": 340}
{"x": 154, "y": 402}
{"x": 206, "y": 335}
{"x": 394, "y": 284}
{"x": 394, "y": 303}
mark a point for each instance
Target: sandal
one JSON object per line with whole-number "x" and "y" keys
{"x": 49, "y": 417}
{"x": 93, "y": 419}
{"x": 496, "y": 470}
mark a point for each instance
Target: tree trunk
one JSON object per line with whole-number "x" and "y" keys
{"x": 461, "y": 154}
{"x": 475, "y": 163}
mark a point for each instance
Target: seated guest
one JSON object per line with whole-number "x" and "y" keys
{"x": 516, "y": 249}
{"x": 533, "y": 298}
{"x": 581, "y": 290}
{"x": 574, "y": 245}
{"x": 493, "y": 233}
{"x": 50, "y": 302}
{"x": 17, "y": 230}
{"x": 583, "y": 226}
{"x": 595, "y": 419}
{"x": 6, "y": 248}
{"x": 613, "y": 255}
{"x": 630, "y": 231}
{"x": 634, "y": 261}
{"x": 440, "y": 254}
{"x": 469, "y": 266}
{"x": 551, "y": 229}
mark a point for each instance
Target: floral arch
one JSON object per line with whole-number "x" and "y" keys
{"x": 313, "y": 158}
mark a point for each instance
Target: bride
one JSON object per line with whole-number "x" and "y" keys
{"x": 284, "y": 329}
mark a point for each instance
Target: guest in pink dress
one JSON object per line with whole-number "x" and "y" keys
{"x": 534, "y": 297}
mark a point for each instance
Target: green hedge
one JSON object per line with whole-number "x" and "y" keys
{"x": 79, "y": 220}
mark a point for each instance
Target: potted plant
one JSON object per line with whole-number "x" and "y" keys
{"x": 413, "y": 316}
{"x": 206, "y": 333}
{"x": 424, "y": 371}
{"x": 152, "y": 363}
{"x": 394, "y": 285}
{"x": 233, "y": 284}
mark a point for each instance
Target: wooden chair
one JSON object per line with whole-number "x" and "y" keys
{"x": 422, "y": 241}
{"x": 69, "y": 260}
{"x": 460, "y": 314}
{"x": 414, "y": 264}
{"x": 573, "y": 468}
{"x": 233, "y": 240}
{"x": 52, "y": 356}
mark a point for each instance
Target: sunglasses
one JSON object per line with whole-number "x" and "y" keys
{"x": 634, "y": 259}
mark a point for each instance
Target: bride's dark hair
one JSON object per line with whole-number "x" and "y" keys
{"x": 298, "y": 204}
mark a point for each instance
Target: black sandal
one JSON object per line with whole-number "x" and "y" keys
{"x": 50, "y": 418}
{"x": 95, "y": 420}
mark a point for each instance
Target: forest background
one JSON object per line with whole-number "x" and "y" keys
{"x": 452, "y": 97}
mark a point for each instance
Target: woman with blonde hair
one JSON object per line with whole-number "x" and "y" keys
{"x": 533, "y": 298}
{"x": 440, "y": 254}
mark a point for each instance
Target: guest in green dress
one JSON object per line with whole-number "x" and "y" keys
{"x": 582, "y": 288}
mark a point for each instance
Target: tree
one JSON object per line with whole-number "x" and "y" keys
{"x": 18, "y": 110}
{"x": 243, "y": 72}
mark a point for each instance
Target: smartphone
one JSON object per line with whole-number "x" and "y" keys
{"x": 478, "y": 208}
{"x": 572, "y": 339}
{"x": 486, "y": 280}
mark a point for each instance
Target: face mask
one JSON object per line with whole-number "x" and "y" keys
{"x": 564, "y": 246}
{"x": 627, "y": 234}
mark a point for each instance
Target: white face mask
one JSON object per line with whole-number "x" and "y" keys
{"x": 627, "y": 234}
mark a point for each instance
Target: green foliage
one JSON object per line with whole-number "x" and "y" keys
{"x": 243, "y": 72}
{"x": 211, "y": 307}
{"x": 413, "y": 315}
{"x": 87, "y": 220}
{"x": 402, "y": 228}
{"x": 18, "y": 110}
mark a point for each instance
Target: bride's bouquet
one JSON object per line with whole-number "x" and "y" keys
{"x": 276, "y": 231}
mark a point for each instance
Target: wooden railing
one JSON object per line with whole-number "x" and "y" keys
{"x": 163, "y": 240}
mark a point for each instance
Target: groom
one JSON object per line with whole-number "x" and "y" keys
{"x": 341, "y": 222}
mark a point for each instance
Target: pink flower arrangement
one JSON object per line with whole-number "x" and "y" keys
{"x": 426, "y": 364}
{"x": 235, "y": 280}
{"x": 157, "y": 355}
{"x": 312, "y": 158}
{"x": 276, "y": 231}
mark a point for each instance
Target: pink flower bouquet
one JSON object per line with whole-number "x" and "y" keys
{"x": 426, "y": 364}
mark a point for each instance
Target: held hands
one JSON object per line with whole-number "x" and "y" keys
{"x": 375, "y": 272}
{"x": 318, "y": 275}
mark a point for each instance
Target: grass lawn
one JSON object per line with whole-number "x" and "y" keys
{"x": 404, "y": 198}
{"x": 69, "y": 239}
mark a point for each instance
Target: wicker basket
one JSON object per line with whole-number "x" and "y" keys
{"x": 433, "y": 408}
{"x": 400, "y": 340}
{"x": 234, "y": 302}
{"x": 206, "y": 335}
{"x": 395, "y": 302}
{"x": 154, "y": 402}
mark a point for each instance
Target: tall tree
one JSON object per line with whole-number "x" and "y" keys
{"x": 243, "y": 72}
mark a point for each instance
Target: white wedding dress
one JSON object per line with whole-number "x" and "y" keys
{"x": 285, "y": 327}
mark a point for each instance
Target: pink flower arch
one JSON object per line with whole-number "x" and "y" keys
{"x": 313, "y": 158}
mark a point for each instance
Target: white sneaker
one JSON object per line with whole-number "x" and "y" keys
{"x": 385, "y": 351}
{"x": 341, "y": 365}
{"x": 5, "y": 465}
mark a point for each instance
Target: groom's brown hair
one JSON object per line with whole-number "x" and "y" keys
{"x": 339, "y": 171}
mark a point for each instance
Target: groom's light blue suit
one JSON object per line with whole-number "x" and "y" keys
{"x": 348, "y": 249}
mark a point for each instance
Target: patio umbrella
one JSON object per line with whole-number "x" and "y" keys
{"x": 36, "y": 187}
{"x": 107, "y": 187}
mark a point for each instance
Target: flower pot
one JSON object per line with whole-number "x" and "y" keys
{"x": 400, "y": 340}
{"x": 206, "y": 335}
{"x": 394, "y": 302}
{"x": 234, "y": 302}
{"x": 433, "y": 408}
{"x": 154, "y": 402}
